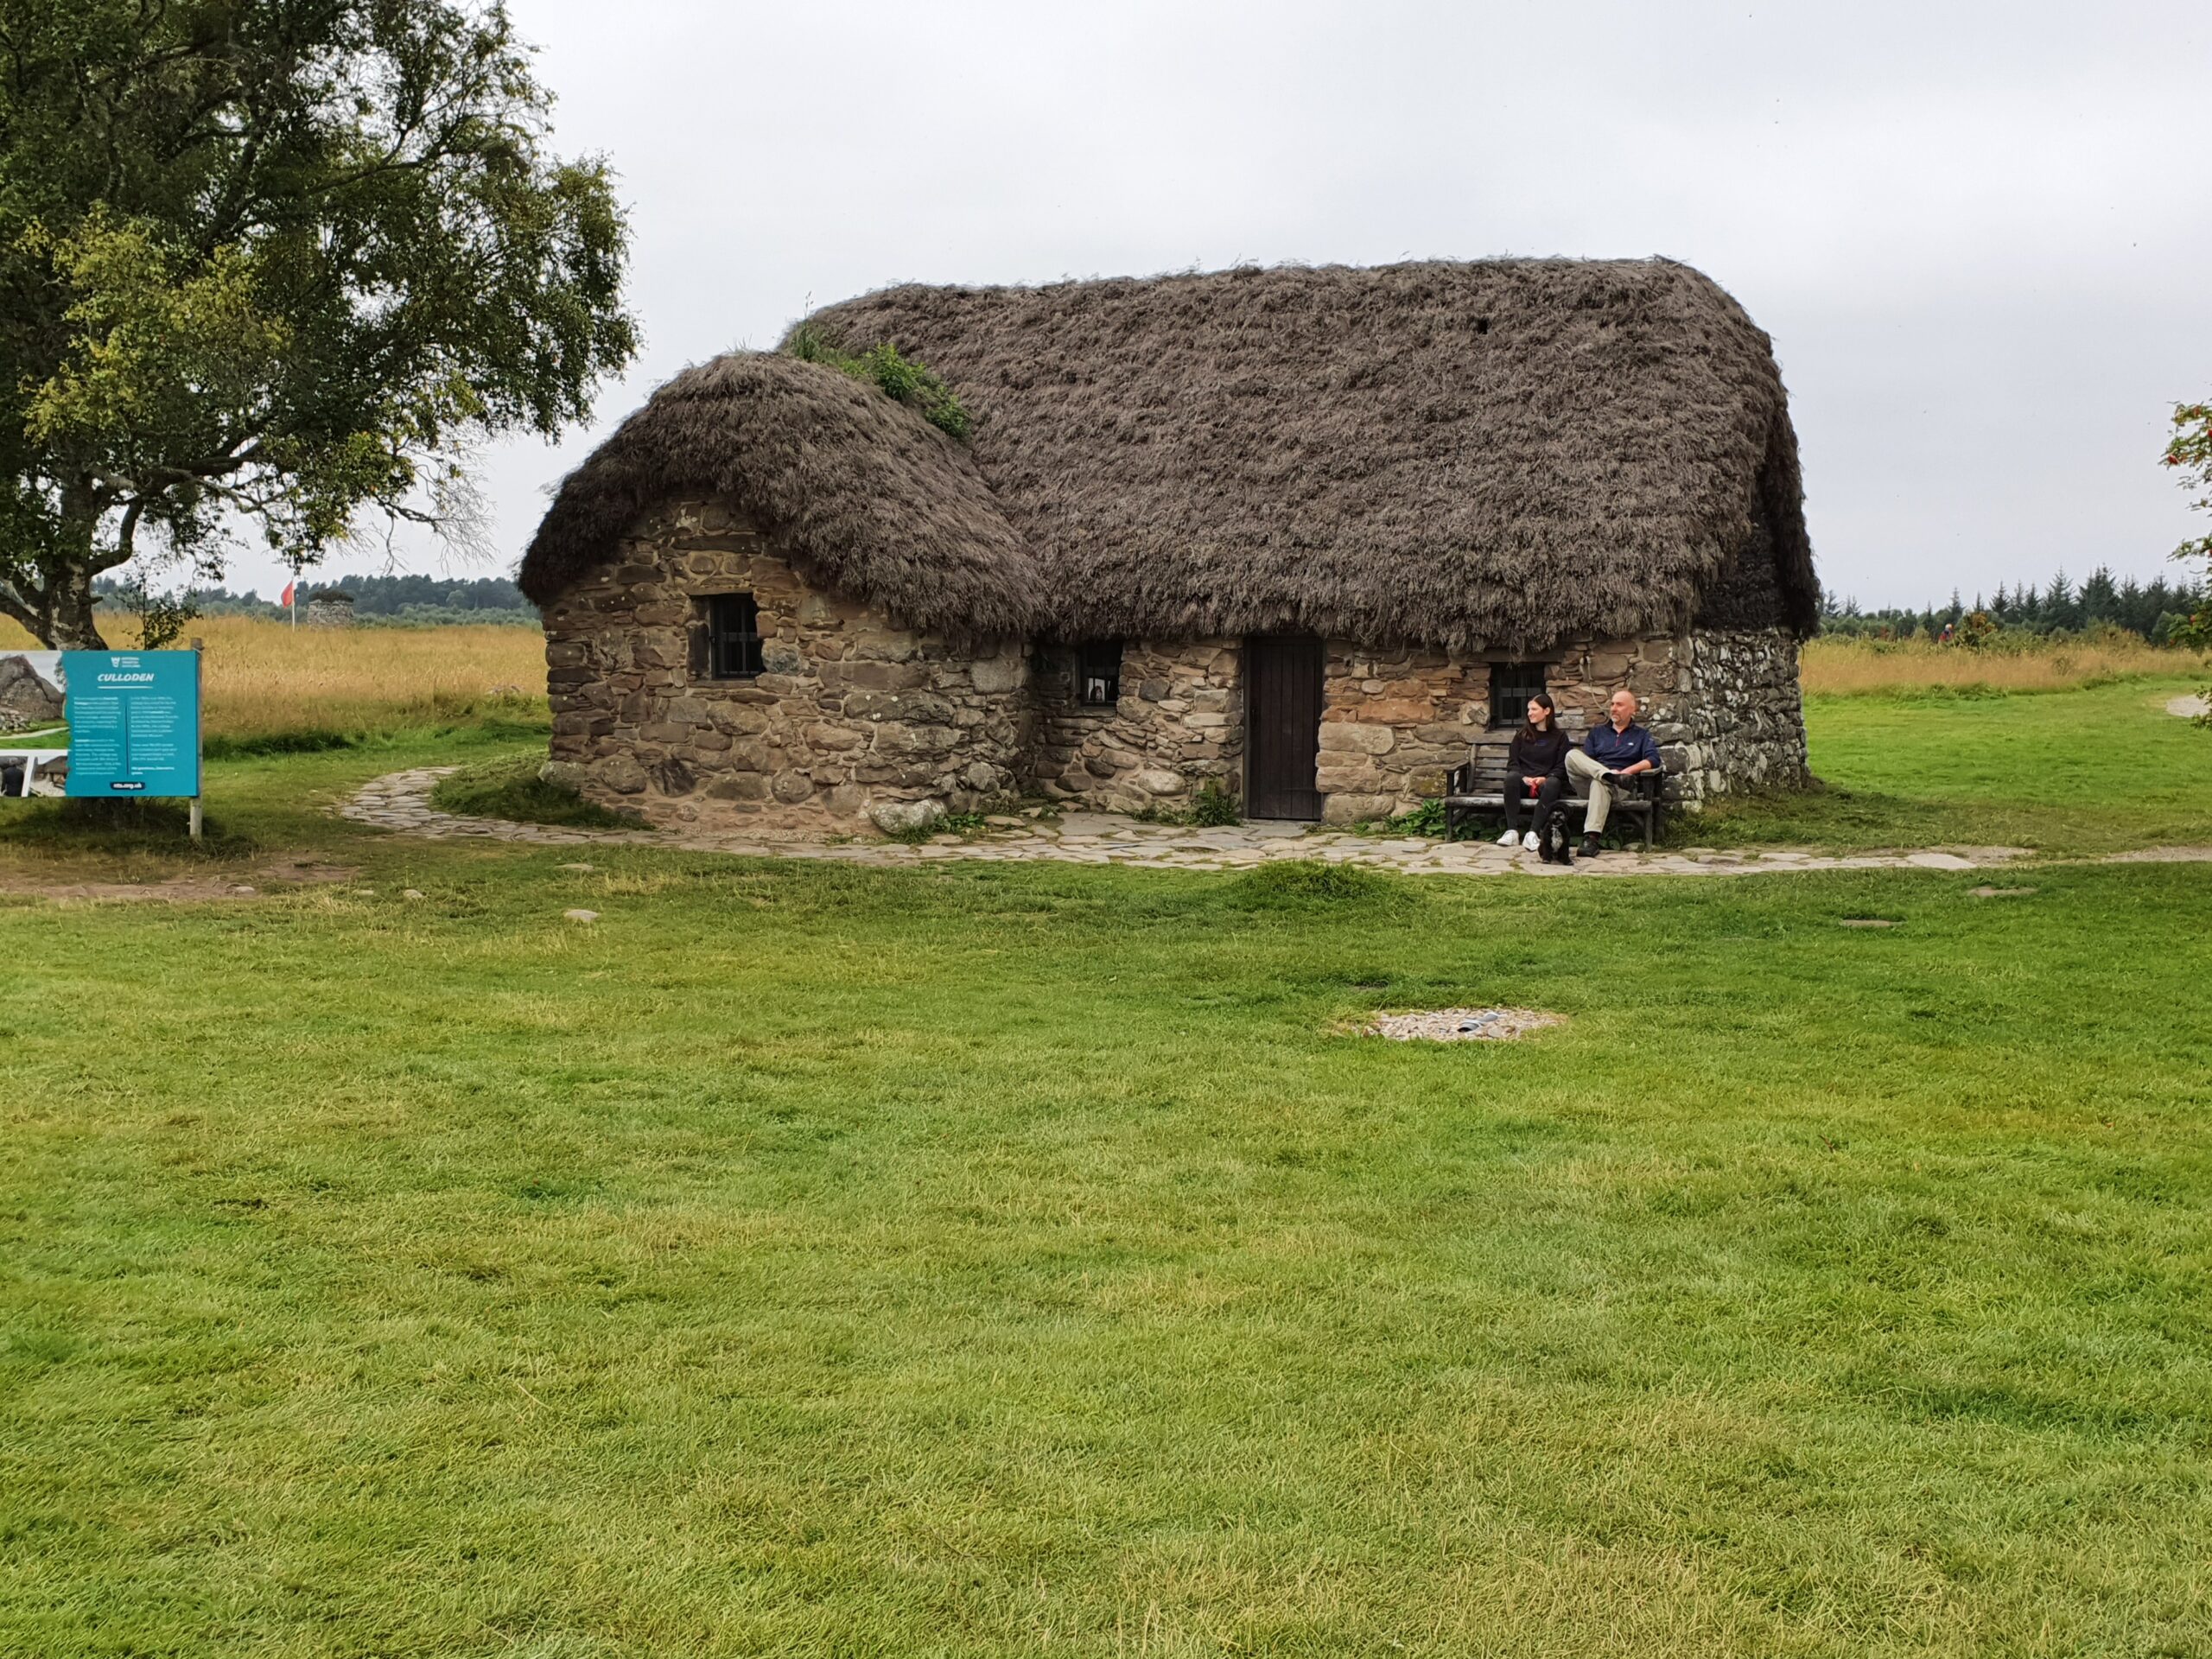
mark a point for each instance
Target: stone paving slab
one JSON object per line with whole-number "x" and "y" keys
{"x": 401, "y": 802}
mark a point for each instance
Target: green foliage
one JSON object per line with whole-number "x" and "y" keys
{"x": 1211, "y": 807}
{"x": 902, "y": 379}
{"x": 162, "y": 617}
{"x": 1214, "y": 807}
{"x": 508, "y": 786}
{"x": 287, "y": 265}
{"x": 2026, "y": 613}
{"x": 952, "y": 823}
{"x": 2191, "y": 451}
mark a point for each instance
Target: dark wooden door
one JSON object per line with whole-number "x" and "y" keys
{"x": 1282, "y": 703}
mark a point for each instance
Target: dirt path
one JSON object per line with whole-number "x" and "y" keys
{"x": 401, "y": 802}
{"x": 180, "y": 889}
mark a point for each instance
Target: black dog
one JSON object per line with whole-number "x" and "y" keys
{"x": 1553, "y": 844}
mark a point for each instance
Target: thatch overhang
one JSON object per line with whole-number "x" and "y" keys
{"x": 1490, "y": 454}
{"x": 864, "y": 497}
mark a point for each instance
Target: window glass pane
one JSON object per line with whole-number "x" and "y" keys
{"x": 1512, "y": 685}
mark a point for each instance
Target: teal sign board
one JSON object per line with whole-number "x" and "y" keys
{"x": 134, "y": 721}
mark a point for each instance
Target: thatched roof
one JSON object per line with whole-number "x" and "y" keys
{"x": 864, "y": 496}
{"x": 1493, "y": 453}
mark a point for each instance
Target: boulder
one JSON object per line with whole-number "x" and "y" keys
{"x": 903, "y": 817}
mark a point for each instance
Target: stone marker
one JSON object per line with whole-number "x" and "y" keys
{"x": 580, "y": 915}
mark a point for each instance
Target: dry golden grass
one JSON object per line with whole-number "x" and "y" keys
{"x": 265, "y": 678}
{"x": 1873, "y": 667}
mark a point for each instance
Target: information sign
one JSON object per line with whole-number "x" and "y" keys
{"x": 134, "y": 721}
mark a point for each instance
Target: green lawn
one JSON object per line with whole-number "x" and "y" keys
{"x": 2073, "y": 773}
{"x": 1011, "y": 1260}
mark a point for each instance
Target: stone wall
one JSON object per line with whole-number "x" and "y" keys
{"x": 1179, "y": 722}
{"x": 1394, "y": 723}
{"x": 856, "y": 719}
{"x": 1741, "y": 717}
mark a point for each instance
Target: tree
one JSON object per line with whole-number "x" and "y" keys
{"x": 2098, "y": 599}
{"x": 266, "y": 264}
{"x": 2191, "y": 450}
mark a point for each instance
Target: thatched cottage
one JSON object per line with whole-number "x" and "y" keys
{"x": 1309, "y": 533}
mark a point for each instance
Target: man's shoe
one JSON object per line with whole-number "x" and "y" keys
{"x": 1589, "y": 846}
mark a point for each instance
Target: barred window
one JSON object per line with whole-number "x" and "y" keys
{"x": 732, "y": 637}
{"x": 1512, "y": 685}
{"x": 1098, "y": 673}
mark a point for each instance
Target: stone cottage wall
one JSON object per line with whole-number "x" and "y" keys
{"x": 856, "y": 717}
{"x": 1394, "y": 723}
{"x": 1181, "y": 721}
{"x": 1741, "y": 717}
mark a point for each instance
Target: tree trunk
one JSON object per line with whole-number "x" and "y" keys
{"x": 60, "y": 614}
{"x": 68, "y": 605}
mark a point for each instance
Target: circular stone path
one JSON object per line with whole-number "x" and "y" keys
{"x": 401, "y": 801}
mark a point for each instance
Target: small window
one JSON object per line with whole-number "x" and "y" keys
{"x": 1098, "y": 673}
{"x": 732, "y": 637}
{"x": 1512, "y": 685}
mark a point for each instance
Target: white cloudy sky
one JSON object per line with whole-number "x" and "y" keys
{"x": 1979, "y": 234}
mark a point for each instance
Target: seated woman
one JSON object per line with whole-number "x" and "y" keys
{"x": 1535, "y": 770}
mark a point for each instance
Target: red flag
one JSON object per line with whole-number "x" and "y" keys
{"x": 286, "y": 597}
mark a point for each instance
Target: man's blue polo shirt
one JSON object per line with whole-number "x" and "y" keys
{"x": 1616, "y": 750}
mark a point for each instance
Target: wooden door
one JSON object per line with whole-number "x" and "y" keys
{"x": 1282, "y": 703}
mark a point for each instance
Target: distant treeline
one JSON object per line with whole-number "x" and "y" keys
{"x": 2149, "y": 610}
{"x": 423, "y": 601}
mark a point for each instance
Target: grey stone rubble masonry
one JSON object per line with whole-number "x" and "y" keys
{"x": 852, "y": 718}
{"x": 1179, "y": 722}
{"x": 1724, "y": 707}
{"x": 859, "y": 722}
{"x": 401, "y": 802}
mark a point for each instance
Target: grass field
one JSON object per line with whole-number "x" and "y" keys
{"x": 1006, "y": 1260}
{"x": 1835, "y": 667}
{"x": 268, "y": 682}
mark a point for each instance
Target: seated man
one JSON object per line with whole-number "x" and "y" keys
{"x": 1618, "y": 748}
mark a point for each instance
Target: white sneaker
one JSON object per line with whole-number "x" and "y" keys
{"x": 1508, "y": 839}
{"x": 1530, "y": 841}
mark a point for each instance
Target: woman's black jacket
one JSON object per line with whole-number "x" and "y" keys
{"x": 1536, "y": 755}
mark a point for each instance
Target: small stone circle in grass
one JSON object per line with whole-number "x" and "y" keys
{"x": 1461, "y": 1025}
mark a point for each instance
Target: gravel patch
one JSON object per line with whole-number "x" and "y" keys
{"x": 1462, "y": 1025}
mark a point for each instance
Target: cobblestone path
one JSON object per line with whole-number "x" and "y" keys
{"x": 401, "y": 801}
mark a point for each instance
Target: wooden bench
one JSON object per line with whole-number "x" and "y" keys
{"x": 1479, "y": 785}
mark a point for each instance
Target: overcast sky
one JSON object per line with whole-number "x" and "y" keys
{"x": 1980, "y": 235}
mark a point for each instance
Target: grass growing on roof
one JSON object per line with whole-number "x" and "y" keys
{"x": 902, "y": 379}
